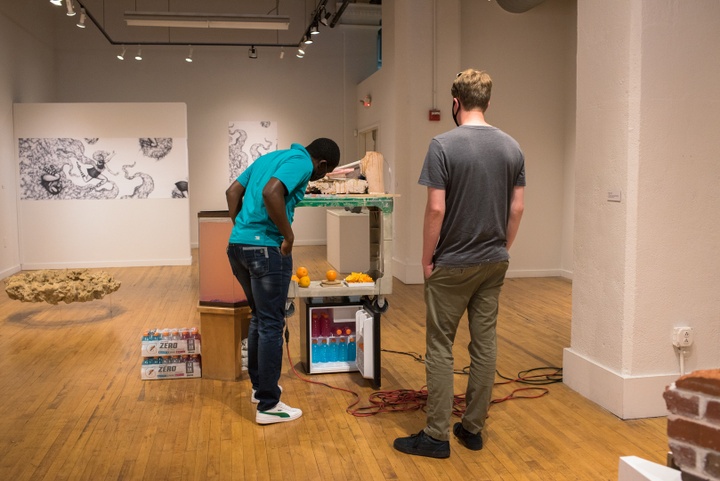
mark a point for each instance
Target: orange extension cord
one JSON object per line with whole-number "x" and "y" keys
{"x": 401, "y": 400}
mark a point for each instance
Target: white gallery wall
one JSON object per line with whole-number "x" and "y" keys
{"x": 647, "y": 122}
{"x": 531, "y": 58}
{"x": 27, "y": 66}
{"x": 100, "y": 227}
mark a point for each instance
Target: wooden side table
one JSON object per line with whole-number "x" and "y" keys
{"x": 222, "y": 330}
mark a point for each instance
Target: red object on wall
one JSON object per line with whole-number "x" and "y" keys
{"x": 434, "y": 115}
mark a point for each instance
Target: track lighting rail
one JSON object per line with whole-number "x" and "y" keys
{"x": 319, "y": 16}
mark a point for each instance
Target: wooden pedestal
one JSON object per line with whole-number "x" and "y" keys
{"x": 222, "y": 330}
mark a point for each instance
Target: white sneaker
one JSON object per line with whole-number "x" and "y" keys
{"x": 281, "y": 413}
{"x": 254, "y": 400}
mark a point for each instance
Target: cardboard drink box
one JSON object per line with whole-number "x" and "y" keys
{"x": 164, "y": 347}
{"x": 170, "y": 354}
{"x": 170, "y": 370}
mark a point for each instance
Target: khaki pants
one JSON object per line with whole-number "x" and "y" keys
{"x": 449, "y": 292}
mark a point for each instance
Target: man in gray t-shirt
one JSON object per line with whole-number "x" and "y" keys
{"x": 475, "y": 175}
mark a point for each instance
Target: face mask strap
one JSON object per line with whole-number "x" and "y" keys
{"x": 315, "y": 171}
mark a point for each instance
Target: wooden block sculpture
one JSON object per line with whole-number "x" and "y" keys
{"x": 371, "y": 166}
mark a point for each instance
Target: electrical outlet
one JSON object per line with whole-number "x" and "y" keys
{"x": 683, "y": 336}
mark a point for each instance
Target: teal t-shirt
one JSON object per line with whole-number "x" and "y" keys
{"x": 293, "y": 168}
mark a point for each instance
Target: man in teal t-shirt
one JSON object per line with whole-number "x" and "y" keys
{"x": 262, "y": 204}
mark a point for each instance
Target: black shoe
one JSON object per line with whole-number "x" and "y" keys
{"x": 421, "y": 444}
{"x": 466, "y": 438}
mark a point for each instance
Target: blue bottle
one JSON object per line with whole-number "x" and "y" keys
{"x": 351, "y": 349}
{"x": 315, "y": 353}
{"x": 342, "y": 355}
{"x": 323, "y": 350}
{"x": 332, "y": 350}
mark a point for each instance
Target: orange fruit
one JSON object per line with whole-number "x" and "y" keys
{"x": 294, "y": 278}
{"x": 304, "y": 281}
{"x": 331, "y": 275}
{"x": 301, "y": 272}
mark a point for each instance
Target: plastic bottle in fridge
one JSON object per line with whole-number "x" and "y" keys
{"x": 351, "y": 349}
{"x": 323, "y": 350}
{"x": 341, "y": 345}
{"x": 332, "y": 349}
{"x": 325, "y": 324}
{"x": 315, "y": 352}
{"x": 315, "y": 324}
{"x": 342, "y": 350}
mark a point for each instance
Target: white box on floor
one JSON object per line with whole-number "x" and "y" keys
{"x": 632, "y": 468}
{"x": 348, "y": 241}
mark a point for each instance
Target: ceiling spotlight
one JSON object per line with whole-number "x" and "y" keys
{"x": 83, "y": 16}
{"x": 325, "y": 18}
{"x": 314, "y": 29}
{"x": 138, "y": 56}
{"x": 56, "y": 2}
{"x": 189, "y": 57}
{"x": 70, "y": 8}
{"x": 252, "y": 53}
{"x": 307, "y": 40}
{"x": 121, "y": 55}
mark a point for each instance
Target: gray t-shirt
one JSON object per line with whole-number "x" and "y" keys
{"x": 477, "y": 167}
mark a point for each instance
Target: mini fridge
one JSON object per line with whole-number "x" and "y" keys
{"x": 340, "y": 334}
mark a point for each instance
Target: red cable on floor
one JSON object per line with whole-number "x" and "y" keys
{"x": 357, "y": 396}
{"x": 401, "y": 400}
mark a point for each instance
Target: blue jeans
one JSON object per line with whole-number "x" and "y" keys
{"x": 264, "y": 274}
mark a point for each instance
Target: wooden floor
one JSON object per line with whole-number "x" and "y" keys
{"x": 73, "y": 405}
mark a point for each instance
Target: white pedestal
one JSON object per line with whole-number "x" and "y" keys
{"x": 348, "y": 241}
{"x": 632, "y": 468}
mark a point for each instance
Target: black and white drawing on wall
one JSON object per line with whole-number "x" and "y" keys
{"x": 97, "y": 168}
{"x": 248, "y": 141}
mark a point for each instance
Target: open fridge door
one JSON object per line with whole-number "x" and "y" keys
{"x": 365, "y": 343}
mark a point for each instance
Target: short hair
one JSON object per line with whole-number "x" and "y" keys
{"x": 325, "y": 149}
{"x": 472, "y": 88}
